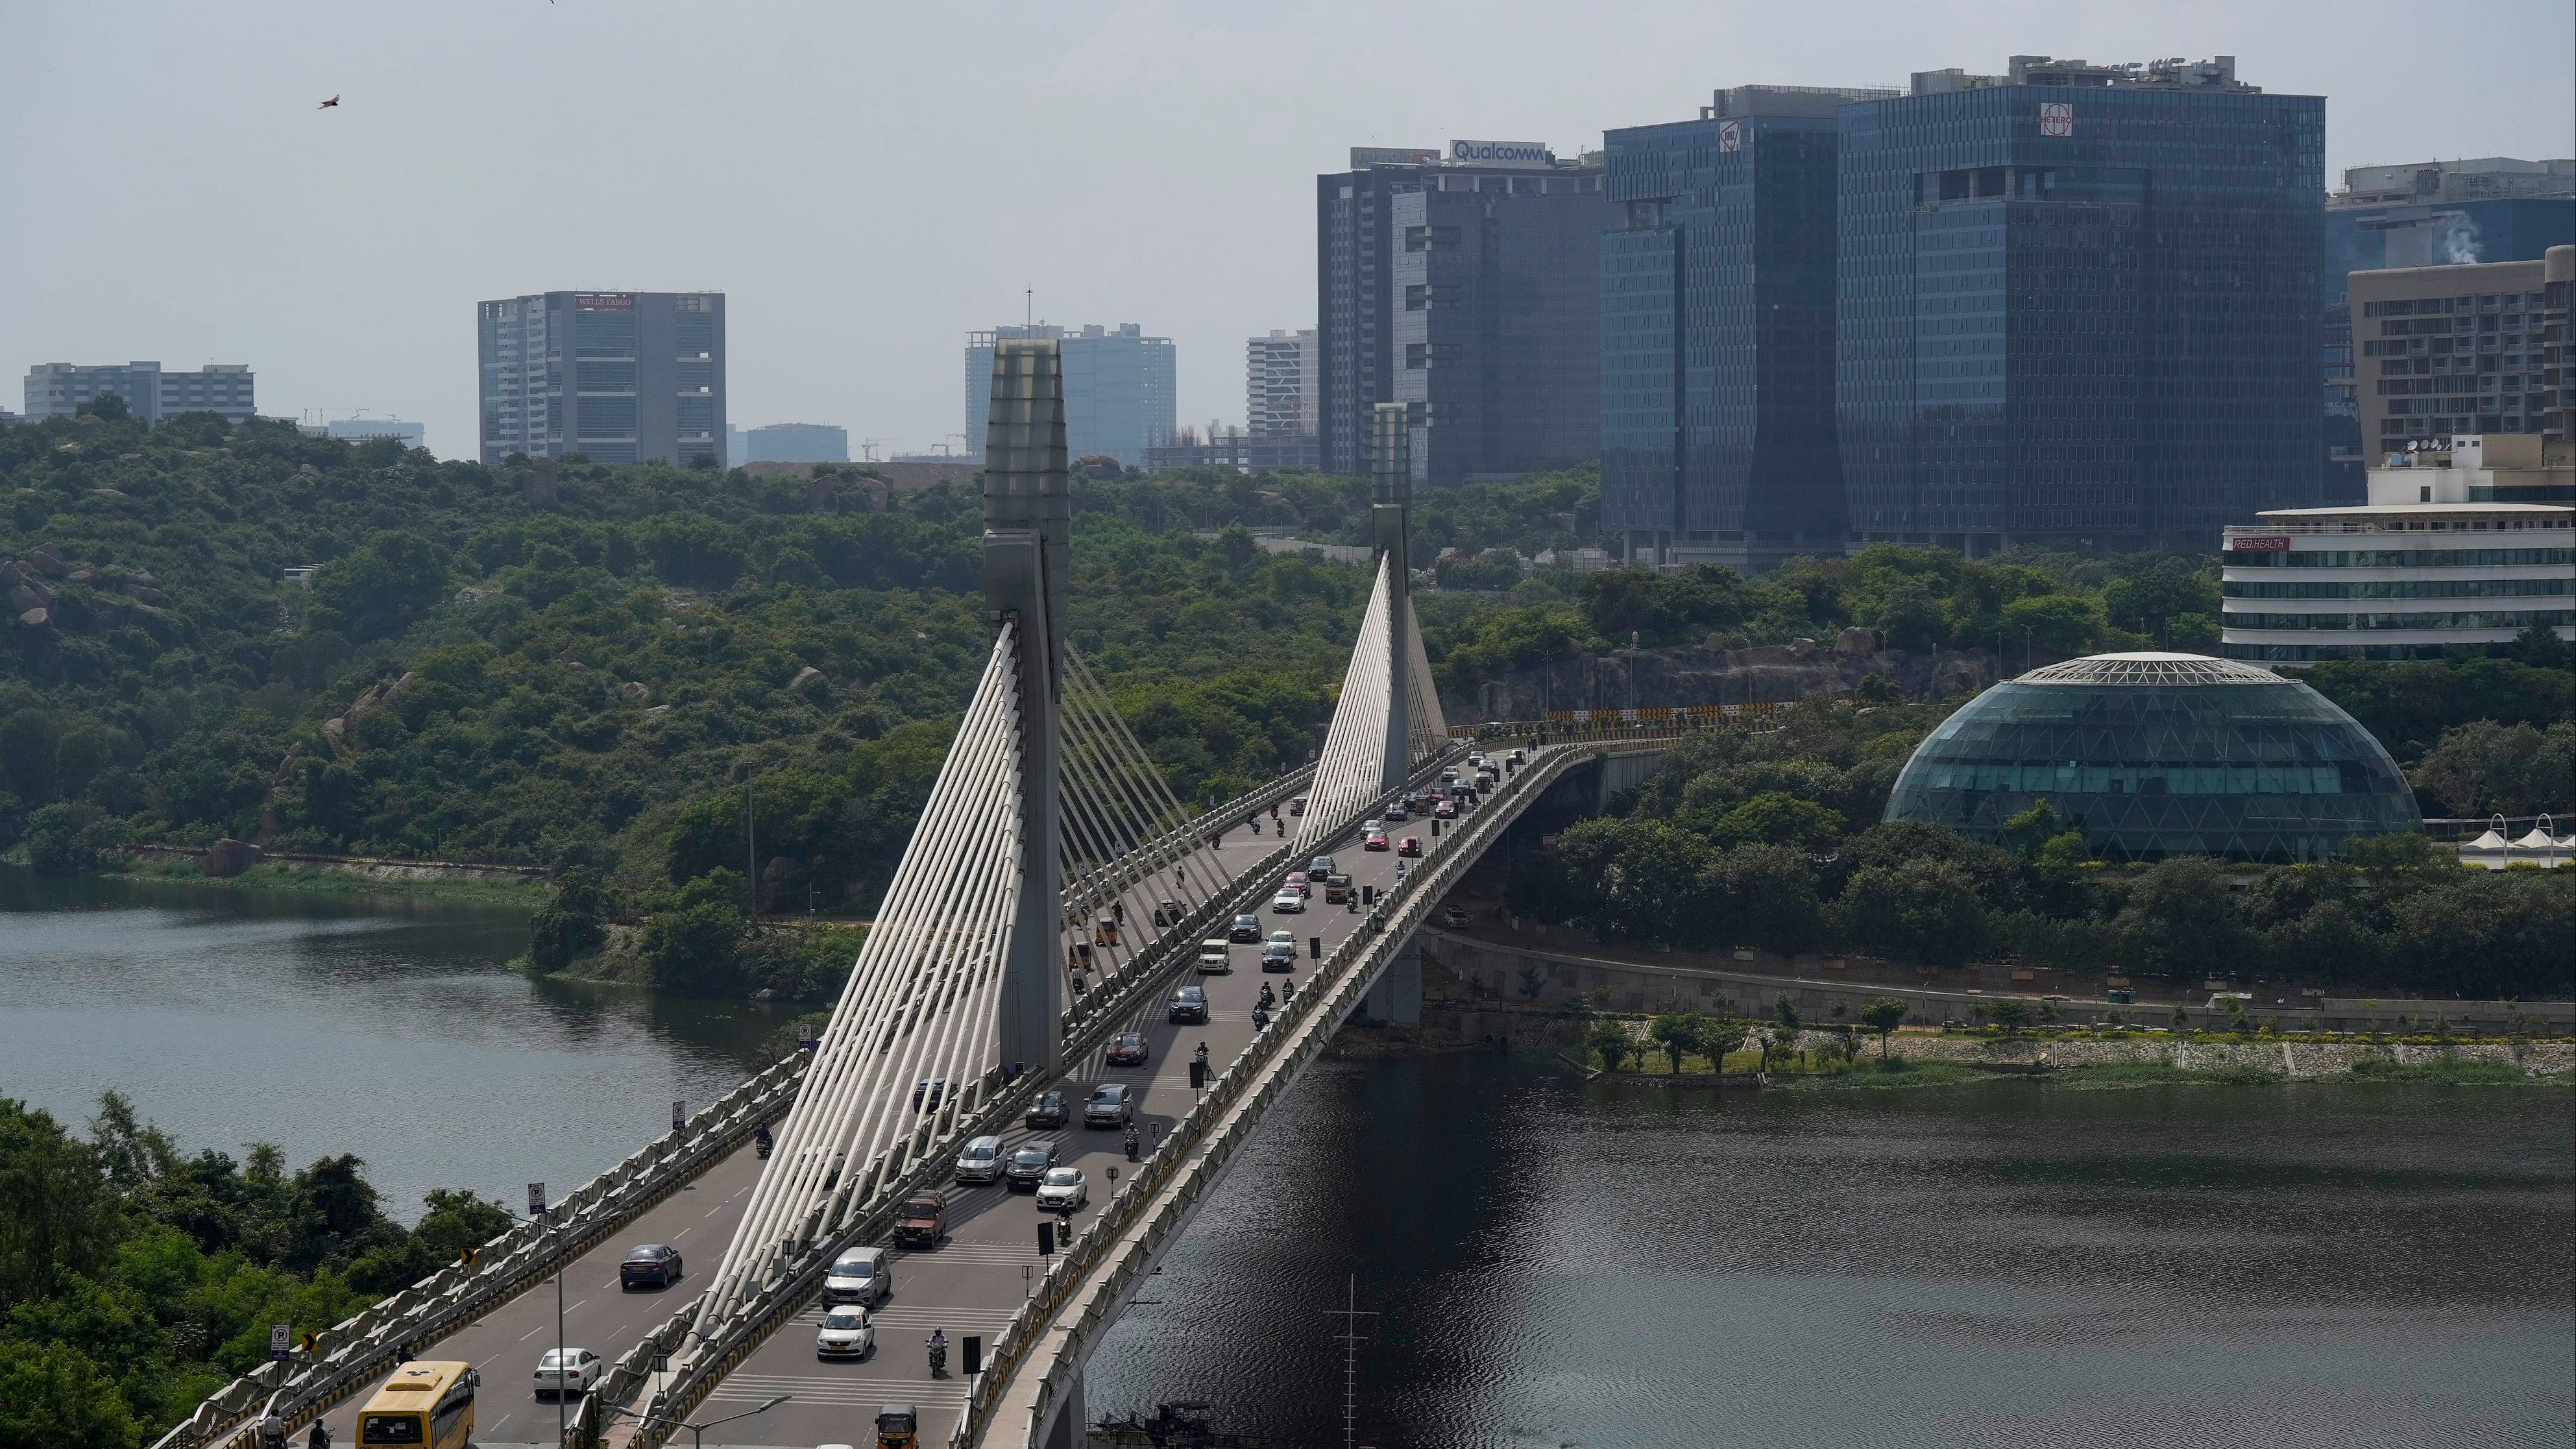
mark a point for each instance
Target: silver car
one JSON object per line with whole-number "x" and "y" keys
{"x": 860, "y": 1275}
{"x": 980, "y": 1160}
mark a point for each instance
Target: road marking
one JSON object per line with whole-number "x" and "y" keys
{"x": 720, "y": 1207}
{"x": 531, "y": 1333}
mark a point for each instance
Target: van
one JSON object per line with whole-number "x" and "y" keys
{"x": 980, "y": 1160}
{"x": 1337, "y": 889}
{"x": 1216, "y": 958}
{"x": 859, "y": 1275}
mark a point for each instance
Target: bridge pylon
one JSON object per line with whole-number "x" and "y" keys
{"x": 1028, "y": 532}
{"x": 1390, "y": 499}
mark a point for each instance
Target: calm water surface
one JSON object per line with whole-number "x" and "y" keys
{"x": 387, "y": 1027}
{"x": 1552, "y": 1263}
{"x": 1556, "y": 1263}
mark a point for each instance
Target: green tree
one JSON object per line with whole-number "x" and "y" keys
{"x": 1884, "y": 1016}
{"x": 1776, "y": 817}
{"x": 695, "y": 941}
{"x": 1921, "y": 910}
{"x": 2486, "y": 767}
{"x": 52, "y": 1394}
{"x": 1609, "y": 1040}
{"x": 1786, "y": 1010}
{"x": 574, "y": 924}
{"x": 1722, "y": 1037}
{"x": 395, "y": 577}
{"x": 1677, "y": 1033}
{"x": 2180, "y": 919}
{"x": 2057, "y": 623}
{"x": 2009, "y": 1014}
{"x": 66, "y": 838}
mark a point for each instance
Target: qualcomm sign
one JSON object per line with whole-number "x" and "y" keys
{"x": 1501, "y": 153}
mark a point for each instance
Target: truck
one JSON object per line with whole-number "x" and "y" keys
{"x": 1337, "y": 888}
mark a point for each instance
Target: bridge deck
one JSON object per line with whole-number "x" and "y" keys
{"x": 975, "y": 1282}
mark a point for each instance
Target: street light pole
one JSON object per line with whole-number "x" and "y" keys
{"x": 551, "y": 1226}
{"x": 697, "y": 1432}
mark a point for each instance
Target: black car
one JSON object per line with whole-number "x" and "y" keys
{"x": 1245, "y": 929}
{"x": 1049, "y": 1110}
{"x": 1028, "y": 1164}
{"x": 1190, "y": 1003}
{"x": 655, "y": 1265}
{"x": 1110, "y": 1106}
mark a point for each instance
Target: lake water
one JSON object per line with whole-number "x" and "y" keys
{"x": 384, "y": 1026}
{"x": 1551, "y": 1263}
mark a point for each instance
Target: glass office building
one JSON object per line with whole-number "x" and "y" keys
{"x": 2079, "y": 304}
{"x": 2156, "y": 755}
{"x": 1717, "y": 332}
{"x": 1121, "y": 389}
{"x": 618, "y": 377}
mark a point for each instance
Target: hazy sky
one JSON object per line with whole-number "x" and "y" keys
{"x": 867, "y": 183}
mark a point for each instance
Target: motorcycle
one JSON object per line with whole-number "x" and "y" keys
{"x": 761, "y": 1142}
{"x": 1260, "y": 1019}
{"x": 1135, "y": 1146}
{"x": 938, "y": 1357}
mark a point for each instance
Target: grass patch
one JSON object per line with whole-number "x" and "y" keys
{"x": 2441, "y": 1071}
{"x": 327, "y": 881}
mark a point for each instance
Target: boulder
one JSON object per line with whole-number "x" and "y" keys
{"x": 82, "y": 575}
{"x": 35, "y": 619}
{"x": 44, "y": 560}
{"x": 110, "y": 494}
{"x": 150, "y": 595}
{"x": 1855, "y": 640}
{"x": 634, "y": 689}
{"x": 1801, "y": 648}
{"x": 230, "y": 857}
{"x": 806, "y": 678}
{"x": 30, "y": 596}
{"x": 13, "y": 573}
{"x": 308, "y": 470}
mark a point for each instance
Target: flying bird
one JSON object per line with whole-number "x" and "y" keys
{"x": 326, "y": 105}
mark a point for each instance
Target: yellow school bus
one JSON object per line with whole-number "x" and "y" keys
{"x": 427, "y": 1404}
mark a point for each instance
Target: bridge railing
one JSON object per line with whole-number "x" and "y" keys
{"x": 1192, "y": 1156}
{"x": 1087, "y": 1026}
{"x": 1108, "y": 881}
{"x": 350, "y": 1354}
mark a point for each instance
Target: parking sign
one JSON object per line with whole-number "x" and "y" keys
{"x": 536, "y": 1199}
{"x": 277, "y": 1342}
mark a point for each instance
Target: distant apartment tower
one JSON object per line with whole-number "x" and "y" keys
{"x": 1121, "y": 389}
{"x": 2421, "y": 214}
{"x": 2558, "y": 347}
{"x": 2449, "y": 350}
{"x": 1280, "y": 399}
{"x": 2078, "y": 303}
{"x": 619, "y": 377}
{"x": 1466, "y": 287}
{"x": 795, "y": 443}
{"x": 1717, "y": 332}
{"x": 63, "y": 389}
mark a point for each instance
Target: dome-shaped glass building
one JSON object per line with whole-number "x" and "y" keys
{"x": 2151, "y": 755}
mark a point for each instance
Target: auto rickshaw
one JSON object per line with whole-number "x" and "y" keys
{"x": 898, "y": 1427}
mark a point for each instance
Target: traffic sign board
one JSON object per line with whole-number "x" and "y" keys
{"x": 679, "y": 1115}
{"x": 279, "y": 1336}
{"x": 536, "y": 1199}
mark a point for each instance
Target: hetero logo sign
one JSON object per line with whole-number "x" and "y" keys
{"x": 1501, "y": 153}
{"x": 2057, "y": 118}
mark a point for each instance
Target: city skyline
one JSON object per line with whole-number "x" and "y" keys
{"x": 843, "y": 310}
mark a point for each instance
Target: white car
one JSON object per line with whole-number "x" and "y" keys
{"x": 846, "y": 1333}
{"x": 1287, "y": 903}
{"x": 1062, "y": 1190}
{"x": 563, "y": 1371}
{"x": 980, "y": 1161}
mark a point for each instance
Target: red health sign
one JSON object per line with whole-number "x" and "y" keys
{"x": 2260, "y": 543}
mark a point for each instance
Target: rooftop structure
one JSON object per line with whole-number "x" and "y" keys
{"x": 2154, "y": 755}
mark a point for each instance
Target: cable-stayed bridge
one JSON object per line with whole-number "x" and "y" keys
{"x": 1053, "y": 892}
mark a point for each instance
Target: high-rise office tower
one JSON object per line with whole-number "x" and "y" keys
{"x": 1467, "y": 288}
{"x": 1121, "y": 388}
{"x": 2079, "y": 304}
{"x": 1717, "y": 332}
{"x": 62, "y": 389}
{"x": 1280, "y": 393}
{"x": 619, "y": 377}
{"x": 2424, "y": 214}
{"x": 2448, "y": 349}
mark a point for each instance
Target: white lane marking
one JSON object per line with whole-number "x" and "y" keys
{"x": 531, "y": 1333}
{"x": 720, "y": 1207}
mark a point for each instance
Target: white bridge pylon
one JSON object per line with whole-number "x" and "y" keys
{"x": 1354, "y": 769}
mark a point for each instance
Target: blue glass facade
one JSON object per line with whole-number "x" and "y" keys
{"x": 2101, "y": 328}
{"x": 1717, "y": 317}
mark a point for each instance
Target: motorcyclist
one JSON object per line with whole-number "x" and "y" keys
{"x": 1267, "y": 1000}
{"x": 938, "y": 1352}
{"x": 320, "y": 1438}
{"x": 1260, "y": 1018}
{"x": 1134, "y": 1144}
{"x": 761, "y": 1139}
{"x": 1202, "y": 1053}
{"x": 1288, "y": 993}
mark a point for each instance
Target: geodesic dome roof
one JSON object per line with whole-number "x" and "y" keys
{"x": 2152, "y": 755}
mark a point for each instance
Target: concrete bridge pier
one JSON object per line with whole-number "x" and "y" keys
{"x": 1068, "y": 1428}
{"x": 1397, "y": 996}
